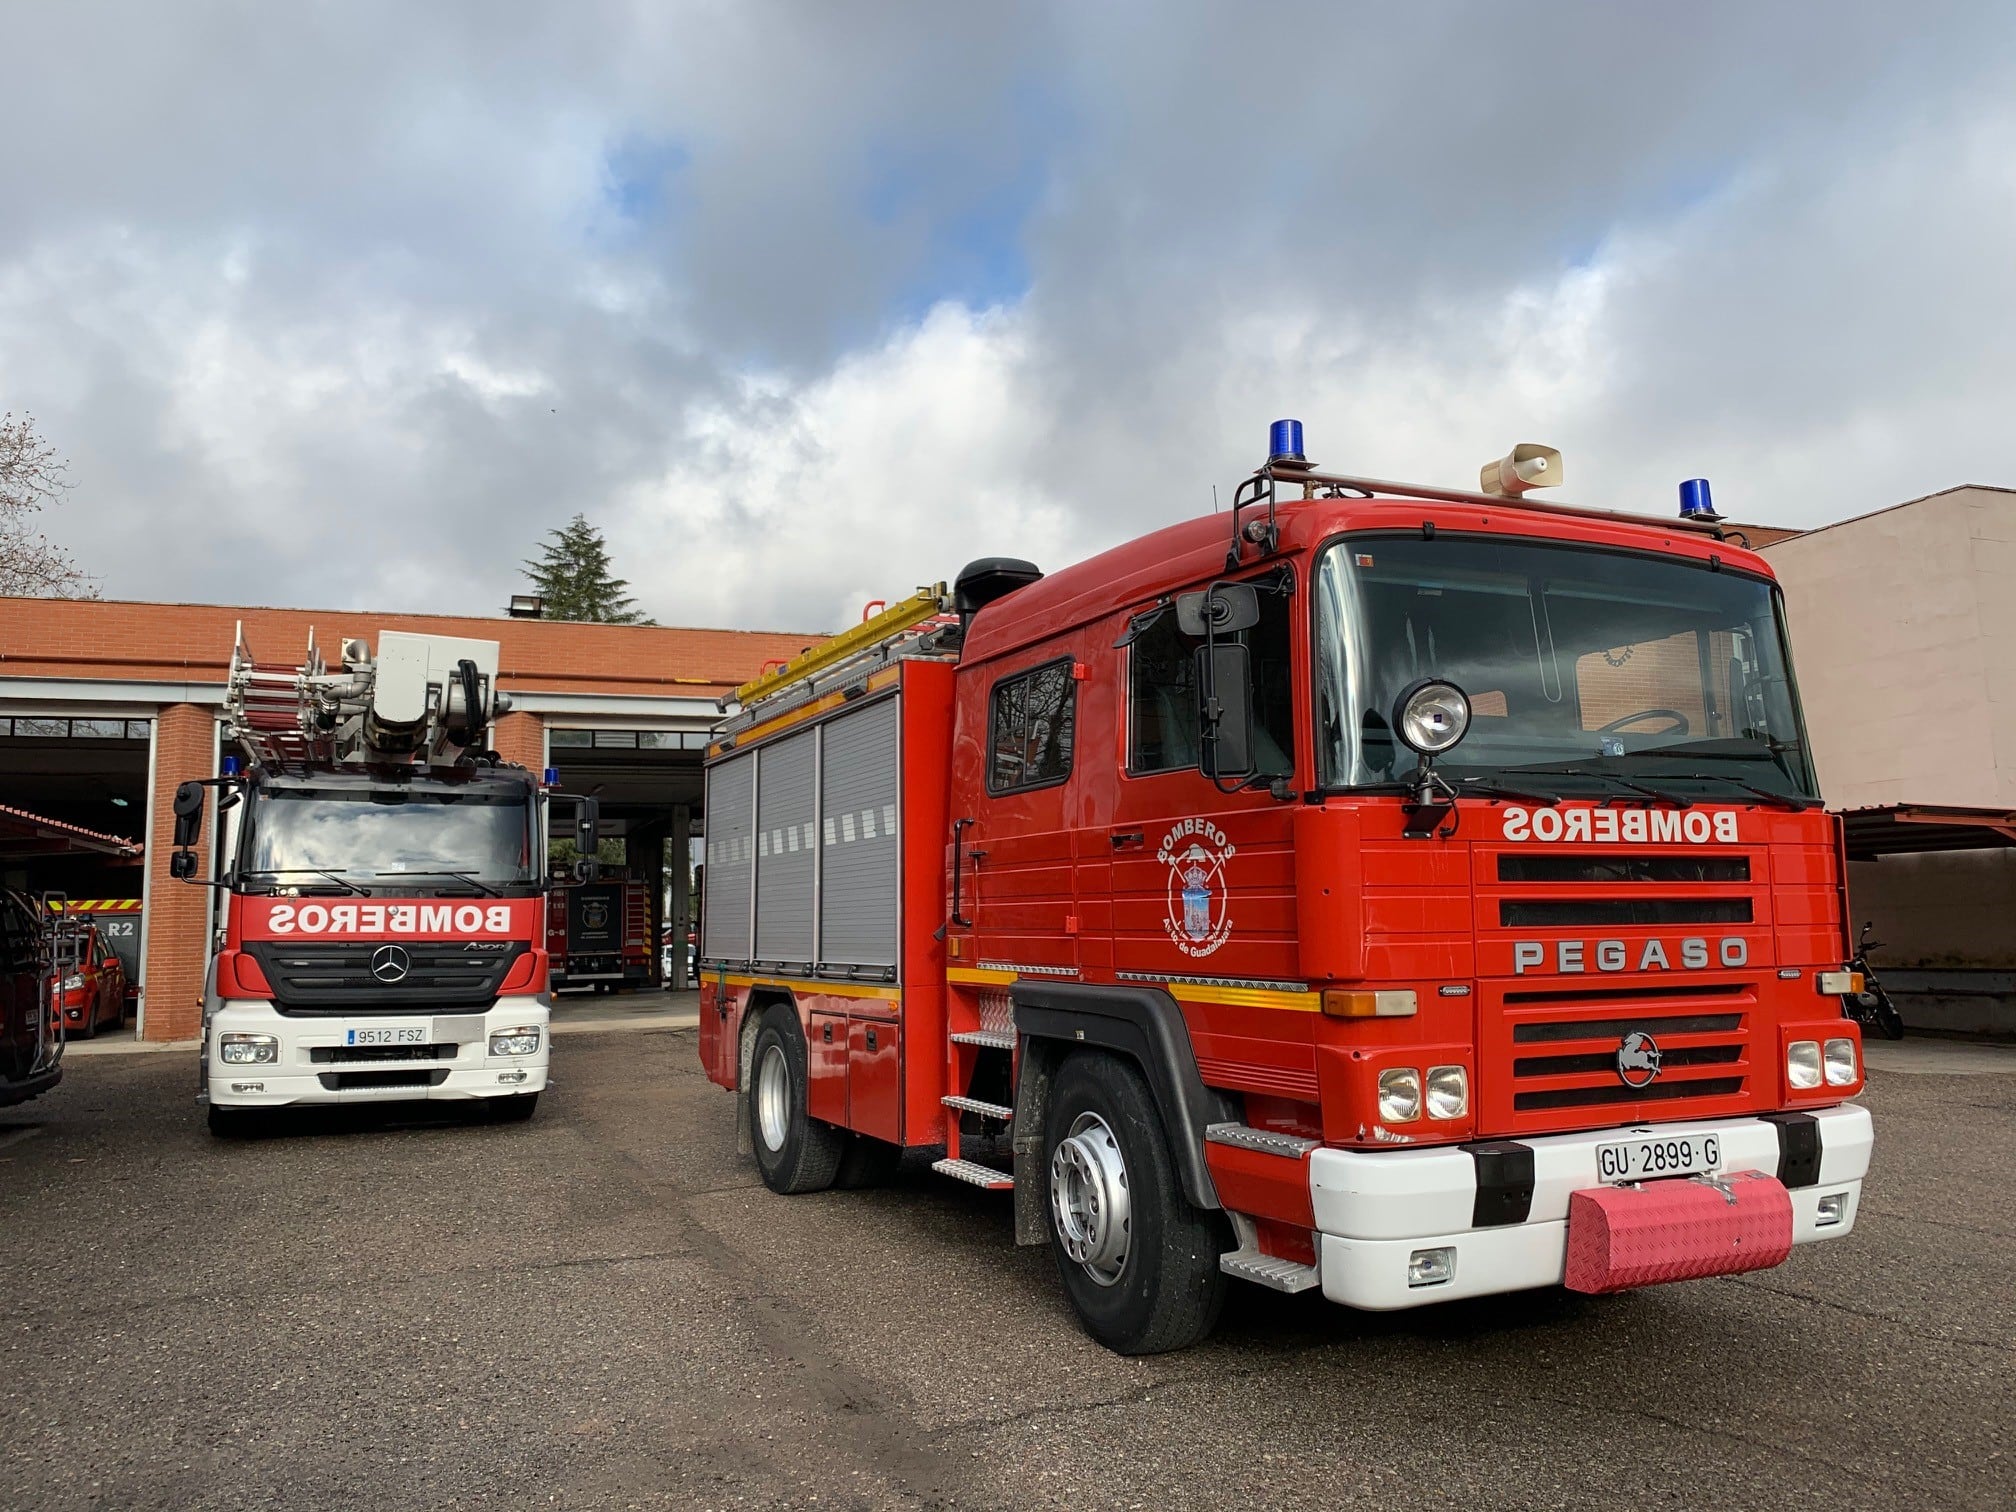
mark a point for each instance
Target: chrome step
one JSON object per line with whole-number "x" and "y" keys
{"x": 1270, "y": 1270}
{"x": 985, "y": 1109}
{"x": 991, "y": 1039}
{"x": 1266, "y": 1141}
{"x": 973, "y": 1171}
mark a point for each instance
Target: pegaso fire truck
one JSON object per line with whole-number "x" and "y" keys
{"x": 1407, "y": 892}
{"x": 383, "y": 877}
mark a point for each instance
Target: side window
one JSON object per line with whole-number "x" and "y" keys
{"x": 1162, "y": 692}
{"x": 1030, "y": 726}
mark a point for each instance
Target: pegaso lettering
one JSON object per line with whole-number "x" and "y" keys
{"x": 1633, "y": 826}
{"x": 1573, "y": 956}
{"x": 389, "y": 919}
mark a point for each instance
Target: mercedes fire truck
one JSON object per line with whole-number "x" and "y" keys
{"x": 1405, "y": 892}
{"x": 383, "y": 878}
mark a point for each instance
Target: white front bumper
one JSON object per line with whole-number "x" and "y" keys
{"x": 1375, "y": 1209}
{"x": 299, "y": 1077}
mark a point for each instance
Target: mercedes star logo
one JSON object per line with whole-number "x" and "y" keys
{"x": 1638, "y": 1059}
{"x": 390, "y": 963}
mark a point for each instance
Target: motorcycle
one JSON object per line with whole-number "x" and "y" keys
{"x": 1871, "y": 1007}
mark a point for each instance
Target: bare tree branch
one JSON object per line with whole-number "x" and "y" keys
{"x": 32, "y": 477}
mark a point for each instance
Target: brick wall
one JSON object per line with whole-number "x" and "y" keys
{"x": 521, "y": 738}
{"x": 185, "y": 747}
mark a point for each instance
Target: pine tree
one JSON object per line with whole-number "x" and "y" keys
{"x": 572, "y": 576}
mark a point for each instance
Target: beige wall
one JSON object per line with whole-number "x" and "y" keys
{"x": 1904, "y": 640}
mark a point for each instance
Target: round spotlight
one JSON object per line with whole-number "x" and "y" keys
{"x": 1431, "y": 716}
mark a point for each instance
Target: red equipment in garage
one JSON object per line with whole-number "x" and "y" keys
{"x": 1387, "y": 889}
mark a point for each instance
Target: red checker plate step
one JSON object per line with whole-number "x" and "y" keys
{"x": 1679, "y": 1230}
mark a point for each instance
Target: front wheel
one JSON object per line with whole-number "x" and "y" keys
{"x": 1139, "y": 1263}
{"x": 514, "y": 1108}
{"x": 794, "y": 1151}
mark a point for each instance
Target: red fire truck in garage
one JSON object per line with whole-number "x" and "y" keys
{"x": 1407, "y": 892}
{"x": 383, "y": 932}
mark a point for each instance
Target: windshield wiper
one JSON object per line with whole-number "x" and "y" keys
{"x": 1786, "y": 800}
{"x": 303, "y": 871}
{"x": 1658, "y": 794}
{"x": 467, "y": 876}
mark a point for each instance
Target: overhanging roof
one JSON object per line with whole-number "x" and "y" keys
{"x": 24, "y": 835}
{"x": 1902, "y": 829}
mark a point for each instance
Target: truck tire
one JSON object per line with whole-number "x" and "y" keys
{"x": 794, "y": 1151}
{"x": 1139, "y": 1263}
{"x": 235, "y": 1123}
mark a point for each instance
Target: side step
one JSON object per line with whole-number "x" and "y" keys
{"x": 990, "y": 1039}
{"x": 973, "y": 1171}
{"x": 1270, "y": 1270}
{"x": 1266, "y": 1141}
{"x": 998, "y": 1111}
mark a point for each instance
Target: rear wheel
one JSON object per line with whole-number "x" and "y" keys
{"x": 795, "y": 1152}
{"x": 1139, "y": 1263}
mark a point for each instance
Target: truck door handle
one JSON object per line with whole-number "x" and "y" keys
{"x": 871, "y": 1039}
{"x": 1128, "y": 837}
{"x": 829, "y": 1032}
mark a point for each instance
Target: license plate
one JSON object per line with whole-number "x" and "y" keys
{"x": 387, "y": 1037}
{"x": 1644, "y": 1159}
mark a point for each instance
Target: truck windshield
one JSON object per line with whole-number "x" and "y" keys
{"x": 445, "y": 840}
{"x": 1577, "y": 662}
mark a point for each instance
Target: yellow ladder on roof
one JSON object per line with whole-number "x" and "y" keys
{"x": 905, "y": 614}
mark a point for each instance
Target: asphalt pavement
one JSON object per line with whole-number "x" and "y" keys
{"x": 604, "y": 1308}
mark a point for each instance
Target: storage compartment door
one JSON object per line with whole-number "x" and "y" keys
{"x": 826, "y": 1060}
{"x": 875, "y": 1080}
{"x": 731, "y": 856}
{"x": 786, "y": 790}
{"x": 858, "y": 820}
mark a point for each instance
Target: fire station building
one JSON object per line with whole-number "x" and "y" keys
{"x": 106, "y": 706}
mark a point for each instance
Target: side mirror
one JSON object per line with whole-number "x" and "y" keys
{"x": 588, "y": 827}
{"x": 188, "y": 813}
{"x": 1225, "y": 711}
{"x": 587, "y": 869}
{"x": 1225, "y": 610}
{"x": 182, "y": 864}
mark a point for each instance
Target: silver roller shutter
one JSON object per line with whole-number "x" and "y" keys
{"x": 731, "y": 854}
{"x": 784, "y": 849}
{"x": 858, "y": 821}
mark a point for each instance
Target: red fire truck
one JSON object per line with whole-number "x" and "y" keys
{"x": 1408, "y": 892}
{"x": 384, "y": 882}
{"x": 598, "y": 934}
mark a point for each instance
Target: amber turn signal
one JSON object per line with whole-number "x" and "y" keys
{"x": 1340, "y": 1004}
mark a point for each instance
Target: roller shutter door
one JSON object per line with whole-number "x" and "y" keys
{"x": 858, "y": 822}
{"x": 731, "y": 855}
{"x": 785, "y": 852}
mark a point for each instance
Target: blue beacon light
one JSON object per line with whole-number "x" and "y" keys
{"x": 1284, "y": 442}
{"x": 551, "y": 777}
{"x": 1696, "y": 503}
{"x": 231, "y": 766}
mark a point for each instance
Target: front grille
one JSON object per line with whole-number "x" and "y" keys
{"x": 1527, "y": 866}
{"x": 335, "y": 976}
{"x": 1542, "y": 913}
{"x": 1562, "y": 1050}
{"x": 337, "y": 1081}
{"x": 347, "y": 1055}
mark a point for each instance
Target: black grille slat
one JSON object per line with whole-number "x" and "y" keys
{"x": 337, "y": 1081}
{"x": 1529, "y": 867}
{"x": 1613, "y": 995}
{"x": 1606, "y": 1060}
{"x": 1547, "y": 913}
{"x": 1542, "y": 1031}
{"x": 336, "y": 976}
{"x": 344, "y": 1055}
{"x": 1596, "y": 1097}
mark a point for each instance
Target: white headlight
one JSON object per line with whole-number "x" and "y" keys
{"x": 1840, "y": 1056}
{"x": 1431, "y": 716}
{"x": 248, "y": 1049}
{"x": 72, "y": 982}
{"x": 524, "y": 1040}
{"x": 1802, "y": 1063}
{"x": 1448, "y": 1092}
{"x": 1399, "y": 1095}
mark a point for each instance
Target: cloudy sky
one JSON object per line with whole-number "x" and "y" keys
{"x": 804, "y": 304}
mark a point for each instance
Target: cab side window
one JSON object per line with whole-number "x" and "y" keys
{"x": 1162, "y": 691}
{"x": 1030, "y": 728}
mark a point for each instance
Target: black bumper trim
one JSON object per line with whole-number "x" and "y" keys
{"x": 1504, "y": 1182}
{"x": 1798, "y": 1148}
